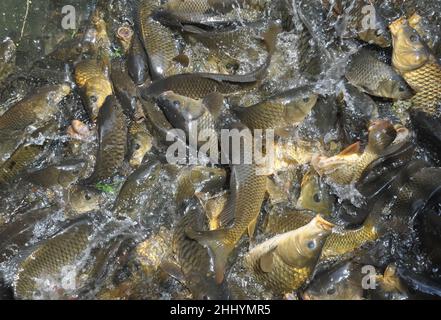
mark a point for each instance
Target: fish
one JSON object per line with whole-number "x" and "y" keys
{"x": 199, "y": 85}
{"x": 96, "y": 37}
{"x": 357, "y": 111}
{"x": 81, "y": 200}
{"x": 390, "y": 286}
{"x": 49, "y": 258}
{"x": 193, "y": 259}
{"x": 137, "y": 62}
{"x": 94, "y": 85}
{"x": 366, "y": 72}
{"x": 63, "y": 174}
{"x": 412, "y": 58}
{"x": 314, "y": 195}
{"x": 285, "y": 262}
{"x": 36, "y": 109}
{"x": 21, "y": 160}
{"x": 199, "y": 179}
{"x": 140, "y": 143}
{"x": 125, "y": 36}
{"x": 244, "y": 204}
{"x": 280, "y": 111}
{"x": 7, "y": 58}
{"x": 177, "y": 13}
{"x": 125, "y": 90}
{"x": 112, "y": 138}
{"x": 282, "y": 220}
{"x": 17, "y": 233}
{"x": 195, "y": 117}
{"x": 158, "y": 40}
{"x": 343, "y": 282}
{"x": 213, "y": 207}
{"x": 348, "y": 166}
{"x": 130, "y": 199}
{"x": 354, "y": 21}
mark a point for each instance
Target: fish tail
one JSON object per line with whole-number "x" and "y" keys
{"x": 219, "y": 251}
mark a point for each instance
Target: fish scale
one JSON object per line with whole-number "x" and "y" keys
{"x": 158, "y": 40}
{"x": 49, "y": 258}
{"x": 283, "y": 278}
{"x": 112, "y": 140}
{"x": 20, "y": 160}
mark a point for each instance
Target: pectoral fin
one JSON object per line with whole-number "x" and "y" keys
{"x": 266, "y": 261}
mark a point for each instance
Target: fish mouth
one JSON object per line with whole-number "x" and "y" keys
{"x": 323, "y": 224}
{"x": 396, "y": 25}
{"x": 379, "y": 125}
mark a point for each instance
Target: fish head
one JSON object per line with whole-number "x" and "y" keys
{"x": 81, "y": 199}
{"x": 410, "y": 51}
{"x": 395, "y": 88}
{"x": 125, "y": 35}
{"x": 382, "y": 134}
{"x": 140, "y": 145}
{"x": 96, "y": 93}
{"x": 313, "y": 195}
{"x": 337, "y": 284}
{"x": 180, "y": 110}
{"x": 305, "y": 244}
{"x": 300, "y": 107}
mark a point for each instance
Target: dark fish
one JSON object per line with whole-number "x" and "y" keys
{"x": 199, "y": 85}
{"x": 131, "y": 199}
{"x": 343, "y": 282}
{"x": 159, "y": 41}
{"x": 112, "y": 137}
{"x": 137, "y": 62}
{"x": 125, "y": 90}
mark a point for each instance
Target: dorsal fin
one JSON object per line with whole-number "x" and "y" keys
{"x": 352, "y": 149}
{"x": 266, "y": 261}
{"x": 214, "y": 102}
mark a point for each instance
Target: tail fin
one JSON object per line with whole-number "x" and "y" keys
{"x": 219, "y": 251}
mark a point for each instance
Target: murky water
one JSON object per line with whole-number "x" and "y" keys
{"x": 133, "y": 258}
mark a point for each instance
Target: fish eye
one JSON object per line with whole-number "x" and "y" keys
{"x": 316, "y": 197}
{"x": 137, "y": 146}
{"x": 413, "y": 38}
{"x": 311, "y": 245}
{"x": 176, "y": 104}
{"x": 331, "y": 291}
{"x": 93, "y": 99}
{"x": 401, "y": 89}
{"x": 306, "y": 99}
{"x": 87, "y": 197}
